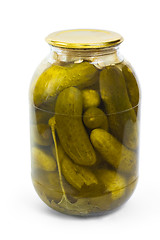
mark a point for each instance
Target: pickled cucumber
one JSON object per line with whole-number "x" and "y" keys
{"x": 91, "y": 98}
{"x": 41, "y": 134}
{"x": 43, "y": 160}
{"x": 71, "y": 131}
{"x": 113, "y": 182}
{"x": 113, "y": 151}
{"x": 57, "y": 78}
{"x": 95, "y": 118}
{"x": 76, "y": 175}
{"x": 121, "y": 116}
{"x": 132, "y": 86}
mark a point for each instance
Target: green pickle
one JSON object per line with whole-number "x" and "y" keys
{"x": 112, "y": 151}
{"x": 84, "y": 137}
{"x": 131, "y": 85}
{"x": 95, "y": 118}
{"x": 91, "y": 98}
{"x": 121, "y": 116}
{"x": 57, "y": 78}
{"x": 113, "y": 182}
{"x": 43, "y": 160}
{"x": 76, "y": 175}
{"x": 70, "y": 128}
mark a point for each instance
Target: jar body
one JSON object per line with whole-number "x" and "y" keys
{"x": 84, "y": 131}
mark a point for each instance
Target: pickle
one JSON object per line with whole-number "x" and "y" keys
{"x": 57, "y": 78}
{"x": 76, "y": 175}
{"x": 132, "y": 86}
{"x": 91, "y": 98}
{"x": 122, "y": 117}
{"x": 113, "y": 151}
{"x": 71, "y": 131}
{"x": 113, "y": 182}
{"x": 41, "y": 134}
{"x": 95, "y": 118}
{"x": 42, "y": 160}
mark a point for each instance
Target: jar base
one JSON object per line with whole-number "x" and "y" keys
{"x": 86, "y": 207}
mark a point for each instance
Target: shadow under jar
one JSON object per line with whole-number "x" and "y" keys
{"x": 84, "y": 100}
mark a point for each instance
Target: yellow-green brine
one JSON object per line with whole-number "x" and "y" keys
{"x": 84, "y": 123}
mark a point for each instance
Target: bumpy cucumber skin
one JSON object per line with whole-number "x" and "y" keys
{"x": 95, "y": 118}
{"x": 122, "y": 117}
{"x": 91, "y": 98}
{"x": 70, "y": 129}
{"x": 113, "y": 182}
{"x": 121, "y": 158}
{"x": 76, "y": 175}
{"x": 56, "y": 78}
{"x": 131, "y": 84}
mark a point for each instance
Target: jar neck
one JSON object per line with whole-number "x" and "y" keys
{"x": 105, "y": 56}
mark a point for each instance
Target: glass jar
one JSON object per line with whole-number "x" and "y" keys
{"x": 84, "y": 100}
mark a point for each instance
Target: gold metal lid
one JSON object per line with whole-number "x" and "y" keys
{"x": 84, "y": 38}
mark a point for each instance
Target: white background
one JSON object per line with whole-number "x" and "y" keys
{"x": 23, "y": 27}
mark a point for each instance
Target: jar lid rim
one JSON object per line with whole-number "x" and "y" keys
{"x": 84, "y": 38}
